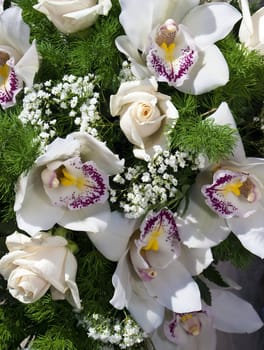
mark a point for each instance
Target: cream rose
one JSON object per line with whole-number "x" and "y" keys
{"x": 143, "y": 114}
{"x": 71, "y": 16}
{"x": 34, "y": 265}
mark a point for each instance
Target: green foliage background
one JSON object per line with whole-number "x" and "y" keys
{"x": 53, "y": 324}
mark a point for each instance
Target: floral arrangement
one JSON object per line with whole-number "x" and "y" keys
{"x": 132, "y": 165}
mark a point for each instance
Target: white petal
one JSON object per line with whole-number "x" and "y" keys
{"x": 161, "y": 342}
{"x": 86, "y": 219}
{"x": 121, "y": 282}
{"x": 211, "y": 63}
{"x": 28, "y": 65}
{"x": 72, "y": 295}
{"x": 233, "y": 314}
{"x": 14, "y": 31}
{"x": 195, "y": 260}
{"x": 246, "y": 23}
{"x": 223, "y": 116}
{"x": 97, "y": 151}
{"x": 138, "y": 68}
{"x": 250, "y": 232}
{"x": 181, "y": 293}
{"x": 206, "y": 24}
{"x": 112, "y": 239}
{"x": 47, "y": 263}
{"x": 60, "y": 149}
{"x": 200, "y": 227}
{"x": 36, "y": 213}
{"x": 144, "y": 309}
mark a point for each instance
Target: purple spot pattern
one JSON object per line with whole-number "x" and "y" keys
{"x": 95, "y": 189}
{"x": 169, "y": 71}
{"x": 215, "y": 199}
{"x": 165, "y": 219}
{"x": 7, "y": 93}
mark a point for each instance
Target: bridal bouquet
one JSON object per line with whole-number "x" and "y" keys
{"x": 132, "y": 165}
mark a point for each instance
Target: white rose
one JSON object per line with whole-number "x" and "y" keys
{"x": 71, "y": 16}
{"x": 34, "y": 265}
{"x": 143, "y": 114}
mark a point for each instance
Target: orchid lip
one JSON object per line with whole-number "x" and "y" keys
{"x": 228, "y": 188}
{"x": 75, "y": 184}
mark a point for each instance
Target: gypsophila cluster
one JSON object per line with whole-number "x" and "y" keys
{"x": 125, "y": 333}
{"x": 73, "y": 101}
{"x": 145, "y": 188}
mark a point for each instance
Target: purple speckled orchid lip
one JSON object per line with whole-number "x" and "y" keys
{"x": 91, "y": 185}
{"x": 10, "y": 85}
{"x": 173, "y": 72}
{"x": 225, "y": 183}
{"x": 162, "y": 222}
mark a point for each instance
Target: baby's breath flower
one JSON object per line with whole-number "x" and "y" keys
{"x": 145, "y": 189}
{"x": 73, "y": 97}
{"x": 124, "y": 333}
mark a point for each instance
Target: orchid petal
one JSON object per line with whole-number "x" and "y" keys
{"x": 195, "y": 259}
{"x": 199, "y": 227}
{"x": 211, "y": 63}
{"x": 212, "y": 14}
{"x": 233, "y": 314}
{"x": 121, "y": 282}
{"x": 181, "y": 293}
{"x": 147, "y": 312}
{"x": 28, "y": 65}
{"x": 223, "y": 116}
{"x": 98, "y": 152}
{"x": 58, "y": 150}
{"x": 117, "y": 230}
{"x": 14, "y": 31}
{"x": 86, "y": 219}
{"x": 160, "y": 341}
{"x": 138, "y": 68}
{"x": 29, "y": 217}
{"x": 250, "y": 232}
{"x": 246, "y": 26}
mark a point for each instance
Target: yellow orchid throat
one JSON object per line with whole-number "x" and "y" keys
{"x": 233, "y": 188}
{"x": 69, "y": 180}
{"x": 168, "y": 51}
{"x": 4, "y": 73}
{"x": 153, "y": 243}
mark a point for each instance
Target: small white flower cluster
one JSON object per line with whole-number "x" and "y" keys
{"x": 73, "y": 98}
{"x": 125, "y": 333}
{"x": 154, "y": 186}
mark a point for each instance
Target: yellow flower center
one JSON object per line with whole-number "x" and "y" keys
{"x": 168, "y": 51}
{"x": 4, "y": 73}
{"x": 233, "y": 188}
{"x": 153, "y": 243}
{"x": 68, "y": 179}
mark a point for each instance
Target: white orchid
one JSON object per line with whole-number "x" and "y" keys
{"x": 18, "y": 58}
{"x": 34, "y": 265}
{"x": 67, "y": 185}
{"x": 226, "y": 197}
{"x": 154, "y": 270}
{"x": 144, "y": 113}
{"x": 197, "y": 330}
{"x": 174, "y": 41}
{"x": 251, "y": 31}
